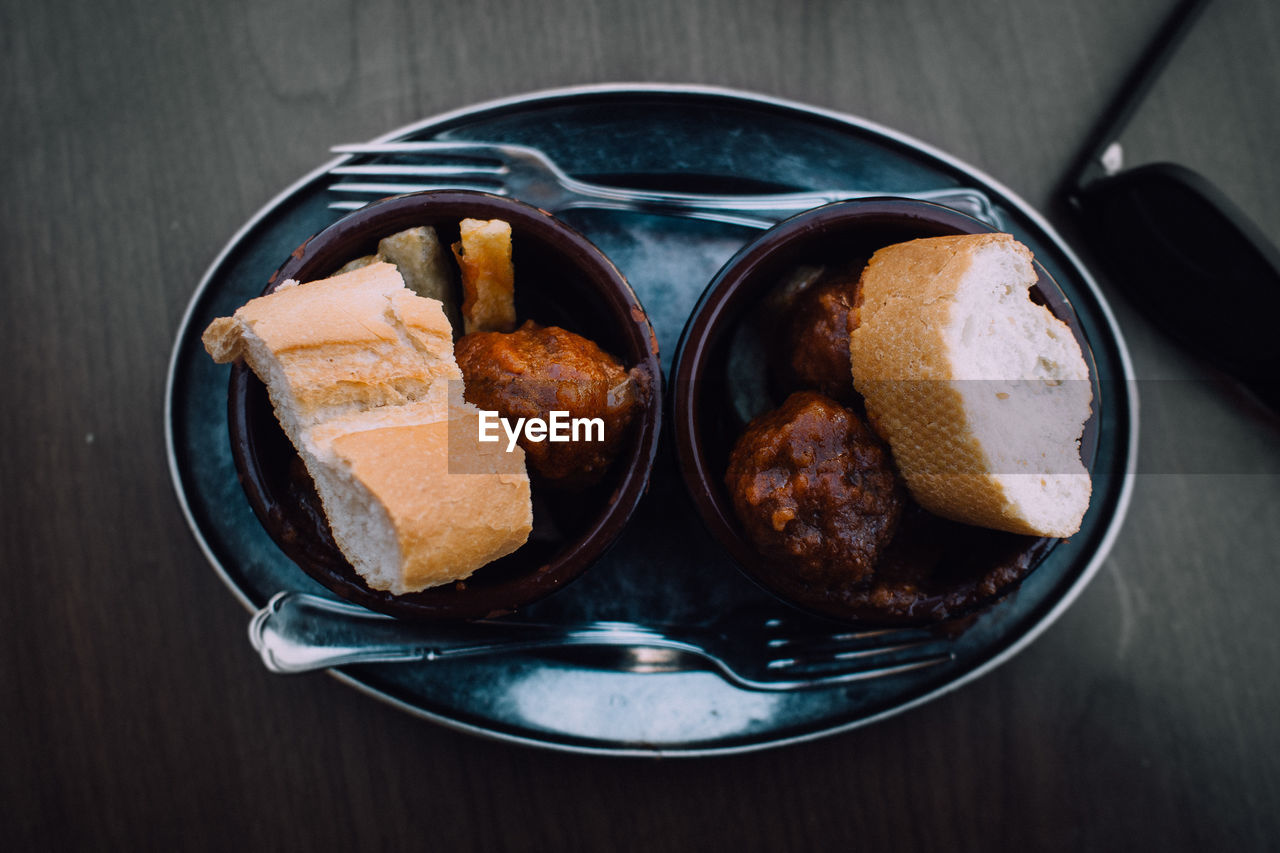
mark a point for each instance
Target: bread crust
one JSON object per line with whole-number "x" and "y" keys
{"x": 904, "y": 366}
{"x": 446, "y": 523}
{"x": 355, "y": 341}
{"x": 362, "y": 377}
{"x": 483, "y": 254}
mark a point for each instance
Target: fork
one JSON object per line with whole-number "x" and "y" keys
{"x": 529, "y": 175}
{"x": 298, "y": 632}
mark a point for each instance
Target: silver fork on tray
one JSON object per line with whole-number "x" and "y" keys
{"x": 298, "y": 632}
{"x": 529, "y": 175}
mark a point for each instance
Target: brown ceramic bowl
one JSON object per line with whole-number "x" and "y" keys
{"x": 934, "y": 570}
{"x": 561, "y": 279}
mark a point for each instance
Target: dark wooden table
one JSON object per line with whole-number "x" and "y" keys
{"x": 136, "y": 139}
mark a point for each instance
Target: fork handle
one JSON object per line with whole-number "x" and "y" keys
{"x": 757, "y": 211}
{"x": 298, "y": 632}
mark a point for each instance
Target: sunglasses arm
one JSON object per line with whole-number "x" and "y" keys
{"x": 1130, "y": 96}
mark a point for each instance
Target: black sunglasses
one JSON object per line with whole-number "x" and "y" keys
{"x": 1185, "y": 255}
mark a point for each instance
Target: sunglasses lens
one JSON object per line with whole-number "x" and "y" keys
{"x": 1191, "y": 262}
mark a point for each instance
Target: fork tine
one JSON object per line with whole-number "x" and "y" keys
{"x": 395, "y": 188}
{"x": 778, "y": 682}
{"x": 819, "y": 657}
{"x": 420, "y": 170}
{"x": 385, "y": 190}
{"x": 398, "y": 190}
{"x": 474, "y": 150}
{"x": 881, "y": 672}
{"x": 840, "y": 637}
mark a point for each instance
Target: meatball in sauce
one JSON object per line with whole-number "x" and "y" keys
{"x": 815, "y": 336}
{"x": 536, "y": 370}
{"x": 815, "y": 488}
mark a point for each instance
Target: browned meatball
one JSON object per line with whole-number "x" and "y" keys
{"x": 815, "y": 489}
{"x": 817, "y": 337}
{"x": 536, "y": 370}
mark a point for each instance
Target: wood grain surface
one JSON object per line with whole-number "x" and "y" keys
{"x": 137, "y": 137}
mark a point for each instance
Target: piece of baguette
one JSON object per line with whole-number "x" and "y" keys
{"x": 484, "y": 253}
{"x": 362, "y": 377}
{"x": 981, "y": 393}
{"x": 425, "y": 266}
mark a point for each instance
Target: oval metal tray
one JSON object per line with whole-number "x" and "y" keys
{"x": 665, "y": 568}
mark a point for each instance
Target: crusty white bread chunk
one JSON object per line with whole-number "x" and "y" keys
{"x": 981, "y": 394}
{"x": 355, "y": 341}
{"x": 362, "y": 377}
{"x": 483, "y": 253}
{"x": 424, "y": 501}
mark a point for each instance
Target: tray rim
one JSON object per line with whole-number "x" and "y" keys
{"x": 747, "y": 98}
